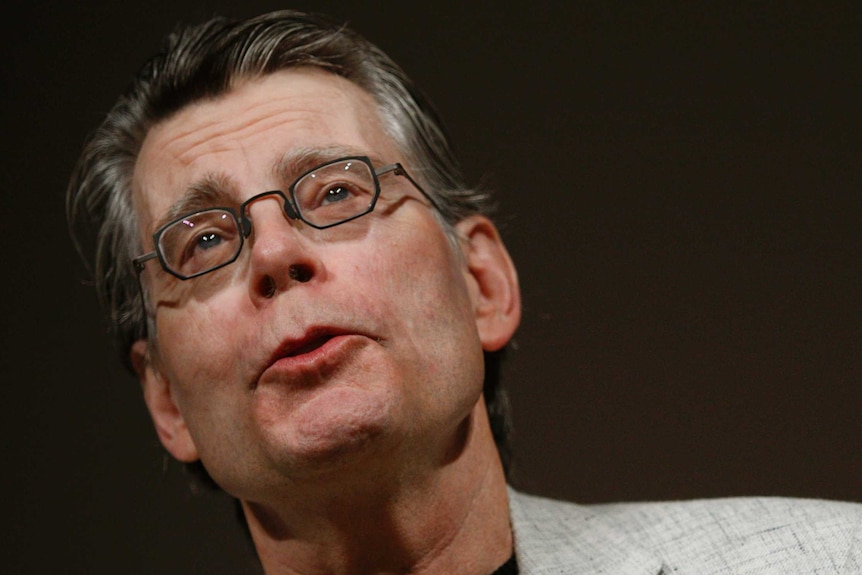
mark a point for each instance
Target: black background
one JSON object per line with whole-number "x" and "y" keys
{"x": 680, "y": 190}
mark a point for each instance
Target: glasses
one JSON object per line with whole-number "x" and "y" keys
{"x": 331, "y": 194}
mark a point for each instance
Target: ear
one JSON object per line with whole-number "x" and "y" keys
{"x": 493, "y": 281}
{"x": 158, "y": 395}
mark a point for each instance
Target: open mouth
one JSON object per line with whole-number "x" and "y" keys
{"x": 309, "y": 346}
{"x": 315, "y": 355}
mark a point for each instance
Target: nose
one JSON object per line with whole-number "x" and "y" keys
{"x": 281, "y": 256}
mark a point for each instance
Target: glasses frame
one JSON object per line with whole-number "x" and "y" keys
{"x": 244, "y": 223}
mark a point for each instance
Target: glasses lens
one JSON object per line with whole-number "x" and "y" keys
{"x": 200, "y": 242}
{"x": 336, "y": 192}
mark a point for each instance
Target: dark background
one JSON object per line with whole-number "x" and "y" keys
{"x": 679, "y": 186}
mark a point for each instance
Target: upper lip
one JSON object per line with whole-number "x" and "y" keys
{"x": 303, "y": 340}
{"x": 312, "y": 338}
{"x": 291, "y": 346}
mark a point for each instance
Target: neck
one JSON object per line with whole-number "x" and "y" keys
{"x": 452, "y": 519}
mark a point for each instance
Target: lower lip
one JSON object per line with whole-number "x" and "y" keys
{"x": 334, "y": 352}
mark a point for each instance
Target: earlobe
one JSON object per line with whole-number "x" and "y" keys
{"x": 161, "y": 403}
{"x": 495, "y": 292}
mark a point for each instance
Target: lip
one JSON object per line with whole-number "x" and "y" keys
{"x": 319, "y": 350}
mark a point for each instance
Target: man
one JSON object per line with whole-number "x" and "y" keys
{"x": 315, "y": 302}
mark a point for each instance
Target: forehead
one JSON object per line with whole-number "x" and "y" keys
{"x": 241, "y": 136}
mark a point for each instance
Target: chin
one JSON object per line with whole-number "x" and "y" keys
{"x": 335, "y": 435}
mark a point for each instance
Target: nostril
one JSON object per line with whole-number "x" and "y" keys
{"x": 300, "y": 273}
{"x": 267, "y": 287}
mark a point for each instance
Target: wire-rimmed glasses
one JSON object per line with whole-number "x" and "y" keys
{"x": 331, "y": 194}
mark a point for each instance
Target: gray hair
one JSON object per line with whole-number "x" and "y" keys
{"x": 205, "y": 61}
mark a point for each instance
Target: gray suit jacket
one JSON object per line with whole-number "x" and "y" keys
{"x": 751, "y": 536}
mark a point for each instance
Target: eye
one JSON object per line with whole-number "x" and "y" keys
{"x": 333, "y": 199}
{"x": 200, "y": 241}
{"x": 335, "y": 194}
{"x": 205, "y": 245}
{"x": 209, "y": 240}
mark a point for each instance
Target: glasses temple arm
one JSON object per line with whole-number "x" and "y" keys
{"x": 139, "y": 261}
{"x": 399, "y": 170}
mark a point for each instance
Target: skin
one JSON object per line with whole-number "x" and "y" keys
{"x": 366, "y": 449}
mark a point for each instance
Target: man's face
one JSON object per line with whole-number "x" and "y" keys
{"x": 269, "y": 375}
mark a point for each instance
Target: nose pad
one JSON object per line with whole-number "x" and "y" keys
{"x": 287, "y": 207}
{"x": 289, "y": 210}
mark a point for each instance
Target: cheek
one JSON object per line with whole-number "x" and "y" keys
{"x": 415, "y": 282}
{"x": 198, "y": 342}
{"x": 418, "y": 282}
{"x": 198, "y": 351}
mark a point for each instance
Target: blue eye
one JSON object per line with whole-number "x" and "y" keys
{"x": 200, "y": 241}
{"x": 209, "y": 241}
{"x": 336, "y": 194}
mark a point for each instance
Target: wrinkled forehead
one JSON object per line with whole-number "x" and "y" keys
{"x": 242, "y": 138}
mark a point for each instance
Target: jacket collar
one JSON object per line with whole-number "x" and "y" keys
{"x": 569, "y": 539}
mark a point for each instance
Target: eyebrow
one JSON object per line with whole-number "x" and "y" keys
{"x": 300, "y": 160}
{"x": 214, "y": 189}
